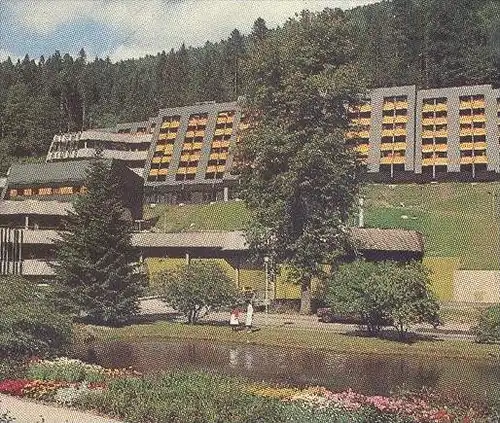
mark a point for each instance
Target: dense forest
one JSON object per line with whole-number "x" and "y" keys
{"x": 429, "y": 43}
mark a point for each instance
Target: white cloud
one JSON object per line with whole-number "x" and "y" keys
{"x": 4, "y": 54}
{"x": 154, "y": 25}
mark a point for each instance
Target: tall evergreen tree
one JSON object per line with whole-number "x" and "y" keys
{"x": 95, "y": 274}
{"x": 298, "y": 177}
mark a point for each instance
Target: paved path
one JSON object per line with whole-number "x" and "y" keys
{"x": 24, "y": 411}
{"x": 449, "y": 331}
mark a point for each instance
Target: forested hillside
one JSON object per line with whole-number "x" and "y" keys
{"x": 429, "y": 43}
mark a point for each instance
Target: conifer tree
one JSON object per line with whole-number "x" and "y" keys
{"x": 95, "y": 274}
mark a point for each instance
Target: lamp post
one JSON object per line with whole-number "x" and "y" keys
{"x": 266, "y": 295}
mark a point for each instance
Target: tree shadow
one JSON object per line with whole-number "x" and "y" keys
{"x": 157, "y": 317}
{"x": 392, "y": 335}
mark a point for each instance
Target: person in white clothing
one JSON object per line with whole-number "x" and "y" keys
{"x": 249, "y": 317}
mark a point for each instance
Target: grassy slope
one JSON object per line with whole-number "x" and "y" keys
{"x": 457, "y": 220}
{"x": 299, "y": 338}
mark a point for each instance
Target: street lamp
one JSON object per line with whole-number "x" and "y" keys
{"x": 266, "y": 295}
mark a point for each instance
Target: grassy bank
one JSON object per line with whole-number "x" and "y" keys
{"x": 288, "y": 337}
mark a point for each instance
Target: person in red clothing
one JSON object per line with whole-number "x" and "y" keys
{"x": 234, "y": 320}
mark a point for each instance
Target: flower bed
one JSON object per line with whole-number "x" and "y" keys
{"x": 125, "y": 394}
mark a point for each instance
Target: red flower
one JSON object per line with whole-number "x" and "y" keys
{"x": 13, "y": 386}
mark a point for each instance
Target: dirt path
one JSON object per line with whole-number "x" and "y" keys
{"x": 24, "y": 411}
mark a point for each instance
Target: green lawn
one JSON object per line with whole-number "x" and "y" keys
{"x": 458, "y": 220}
{"x": 289, "y": 337}
{"x": 228, "y": 216}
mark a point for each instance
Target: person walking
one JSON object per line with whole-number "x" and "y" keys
{"x": 234, "y": 320}
{"x": 249, "y": 316}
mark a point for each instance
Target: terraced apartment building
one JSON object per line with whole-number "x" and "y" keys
{"x": 402, "y": 134}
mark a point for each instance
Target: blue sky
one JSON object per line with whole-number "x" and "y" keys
{"x": 133, "y": 28}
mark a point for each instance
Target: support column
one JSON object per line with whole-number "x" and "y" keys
{"x": 226, "y": 194}
{"x": 188, "y": 258}
{"x": 26, "y": 222}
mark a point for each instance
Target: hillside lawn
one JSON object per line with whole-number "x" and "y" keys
{"x": 459, "y": 221}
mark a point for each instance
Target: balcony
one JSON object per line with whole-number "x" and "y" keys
{"x": 441, "y": 120}
{"x": 171, "y": 135}
{"x": 480, "y": 145}
{"x": 392, "y": 160}
{"x": 165, "y": 159}
{"x": 428, "y": 107}
{"x": 465, "y": 105}
{"x": 165, "y": 125}
{"x": 153, "y": 172}
{"x": 211, "y": 169}
{"x": 175, "y": 124}
{"x": 160, "y": 147}
{"x": 442, "y": 133}
{"x": 465, "y": 146}
{"x": 163, "y": 171}
{"x": 219, "y": 131}
{"x": 388, "y": 119}
{"x": 365, "y": 121}
{"x": 427, "y": 134}
{"x": 431, "y": 161}
{"x": 387, "y": 146}
{"x": 191, "y": 170}
{"x": 441, "y": 107}
{"x": 399, "y": 146}
{"x": 427, "y": 148}
{"x": 367, "y": 107}
{"x": 243, "y": 126}
{"x": 398, "y": 132}
{"x": 228, "y": 131}
{"x": 362, "y": 148}
{"x": 479, "y": 118}
{"x": 364, "y": 134}
{"x": 220, "y": 144}
{"x": 199, "y": 133}
{"x": 387, "y": 132}
{"x": 441, "y": 147}
{"x": 478, "y": 104}
{"x": 479, "y": 131}
{"x": 389, "y": 105}
{"x": 197, "y": 145}
{"x": 169, "y": 149}
{"x": 481, "y": 159}
{"x": 156, "y": 160}
{"x": 190, "y": 134}
{"x": 465, "y": 132}
{"x": 465, "y": 119}
{"x": 401, "y": 105}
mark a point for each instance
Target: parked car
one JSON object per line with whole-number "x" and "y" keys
{"x": 327, "y": 315}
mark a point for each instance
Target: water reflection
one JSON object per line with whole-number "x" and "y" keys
{"x": 366, "y": 374}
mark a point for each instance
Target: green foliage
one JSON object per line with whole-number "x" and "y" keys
{"x": 203, "y": 398}
{"x": 298, "y": 176}
{"x": 192, "y": 287}
{"x": 488, "y": 326}
{"x": 384, "y": 292}
{"x": 95, "y": 273}
{"x": 30, "y": 323}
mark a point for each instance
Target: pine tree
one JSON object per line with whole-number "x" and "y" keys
{"x": 95, "y": 275}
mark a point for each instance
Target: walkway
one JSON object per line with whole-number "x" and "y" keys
{"x": 24, "y": 411}
{"x": 457, "y": 331}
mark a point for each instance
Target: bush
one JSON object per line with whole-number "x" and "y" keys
{"x": 30, "y": 323}
{"x": 384, "y": 292}
{"x": 488, "y": 327}
{"x": 193, "y": 287}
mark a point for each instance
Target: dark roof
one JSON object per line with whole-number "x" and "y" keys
{"x": 228, "y": 241}
{"x": 387, "y": 239}
{"x": 54, "y": 172}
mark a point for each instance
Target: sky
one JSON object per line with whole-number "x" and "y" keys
{"x": 123, "y": 29}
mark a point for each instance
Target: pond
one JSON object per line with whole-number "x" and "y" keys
{"x": 477, "y": 379}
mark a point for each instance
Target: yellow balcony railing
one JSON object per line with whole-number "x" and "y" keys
{"x": 466, "y": 146}
{"x": 428, "y": 161}
{"x": 479, "y": 131}
{"x": 162, "y": 136}
{"x": 190, "y": 134}
{"x": 441, "y": 147}
{"x": 191, "y": 170}
{"x": 367, "y": 107}
{"x": 399, "y": 132}
{"x": 199, "y": 133}
{"x": 197, "y": 145}
{"x": 427, "y": 148}
{"x": 243, "y": 126}
{"x": 388, "y": 119}
{"x": 465, "y": 105}
{"x": 479, "y": 118}
{"x": 480, "y": 146}
{"x": 160, "y": 147}
{"x": 427, "y": 121}
{"x": 401, "y": 105}
{"x": 399, "y": 146}
{"x": 465, "y": 119}
{"x": 165, "y": 125}
{"x": 228, "y": 131}
{"x": 387, "y": 132}
{"x": 478, "y": 104}
{"x": 441, "y": 107}
{"x": 362, "y": 148}
{"x": 165, "y": 159}
{"x": 387, "y": 146}
{"x": 388, "y": 105}
{"x": 219, "y": 131}
{"x": 401, "y": 119}
{"x": 153, "y": 172}
{"x": 398, "y": 160}
{"x": 163, "y": 171}
{"x": 366, "y": 121}
{"x": 466, "y": 160}
{"x": 441, "y": 120}
{"x": 427, "y": 107}
{"x": 171, "y": 135}
{"x": 211, "y": 169}
{"x": 427, "y": 134}
{"x": 364, "y": 134}
{"x": 181, "y": 170}
{"x": 443, "y": 133}
{"x": 465, "y": 132}
{"x": 175, "y": 124}
{"x": 156, "y": 160}
{"x": 480, "y": 159}
{"x": 169, "y": 149}
{"x": 441, "y": 160}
